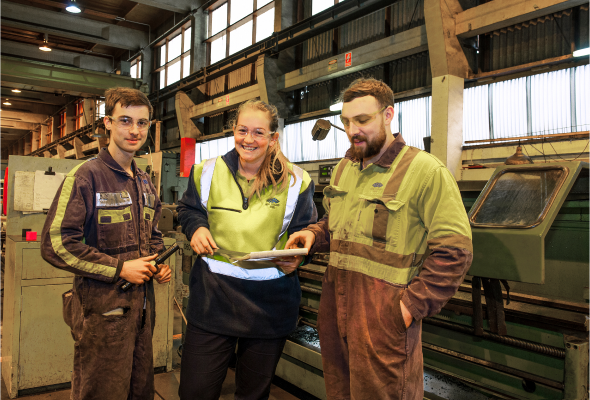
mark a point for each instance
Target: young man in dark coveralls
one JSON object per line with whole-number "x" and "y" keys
{"x": 102, "y": 226}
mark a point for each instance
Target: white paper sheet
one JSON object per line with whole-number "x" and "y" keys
{"x": 23, "y": 195}
{"x": 45, "y": 189}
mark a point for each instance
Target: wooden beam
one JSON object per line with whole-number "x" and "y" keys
{"x": 158, "y": 134}
{"x": 78, "y": 143}
{"x": 499, "y": 14}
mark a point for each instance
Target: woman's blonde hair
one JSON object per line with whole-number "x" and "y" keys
{"x": 275, "y": 169}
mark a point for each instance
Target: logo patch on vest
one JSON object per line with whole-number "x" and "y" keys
{"x": 273, "y": 203}
{"x": 377, "y": 185}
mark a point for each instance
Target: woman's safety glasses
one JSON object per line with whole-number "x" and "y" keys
{"x": 258, "y": 133}
{"x": 127, "y": 123}
{"x": 360, "y": 120}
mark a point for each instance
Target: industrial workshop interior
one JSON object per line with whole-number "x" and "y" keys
{"x": 496, "y": 93}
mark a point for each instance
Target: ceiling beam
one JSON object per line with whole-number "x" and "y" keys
{"x": 28, "y": 112}
{"x": 178, "y": 6}
{"x": 31, "y": 96}
{"x": 82, "y": 82}
{"x": 75, "y": 59}
{"x": 70, "y": 26}
{"x": 499, "y": 14}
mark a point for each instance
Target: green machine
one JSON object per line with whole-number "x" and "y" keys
{"x": 530, "y": 230}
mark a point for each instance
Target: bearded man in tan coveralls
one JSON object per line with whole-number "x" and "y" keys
{"x": 400, "y": 245}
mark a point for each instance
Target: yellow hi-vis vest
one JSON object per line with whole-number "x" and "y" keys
{"x": 261, "y": 226}
{"x": 384, "y": 221}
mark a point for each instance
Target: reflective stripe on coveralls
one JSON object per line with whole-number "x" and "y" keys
{"x": 55, "y": 232}
{"x": 219, "y": 264}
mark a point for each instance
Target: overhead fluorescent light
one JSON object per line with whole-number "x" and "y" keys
{"x": 582, "y": 52}
{"x": 73, "y": 7}
{"x": 336, "y": 107}
{"x": 7, "y": 103}
{"x": 15, "y": 90}
{"x": 45, "y": 45}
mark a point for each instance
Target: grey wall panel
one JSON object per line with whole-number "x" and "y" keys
{"x": 406, "y": 14}
{"x": 361, "y": 31}
{"x": 316, "y": 97}
{"x": 546, "y": 37}
{"x": 410, "y": 72}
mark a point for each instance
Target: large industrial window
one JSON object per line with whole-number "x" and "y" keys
{"x": 136, "y": 68}
{"x": 235, "y": 25}
{"x": 79, "y": 113}
{"x": 412, "y": 119}
{"x": 321, "y": 5}
{"x": 173, "y": 56}
{"x": 544, "y": 104}
{"x": 100, "y": 106}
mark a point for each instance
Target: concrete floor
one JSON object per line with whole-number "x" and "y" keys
{"x": 167, "y": 383}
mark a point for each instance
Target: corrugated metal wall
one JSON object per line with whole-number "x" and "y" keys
{"x": 214, "y": 124}
{"x": 410, "y": 72}
{"x": 361, "y": 31}
{"x": 316, "y": 97}
{"x": 406, "y": 14}
{"x": 581, "y": 21}
{"x": 541, "y": 38}
{"x": 240, "y": 78}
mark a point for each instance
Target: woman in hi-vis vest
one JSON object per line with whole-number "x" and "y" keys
{"x": 251, "y": 199}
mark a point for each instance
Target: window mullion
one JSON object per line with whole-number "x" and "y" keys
{"x": 227, "y": 28}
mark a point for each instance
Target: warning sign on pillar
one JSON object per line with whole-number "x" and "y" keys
{"x": 227, "y": 100}
{"x": 348, "y": 60}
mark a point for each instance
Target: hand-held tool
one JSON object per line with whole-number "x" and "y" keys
{"x": 163, "y": 256}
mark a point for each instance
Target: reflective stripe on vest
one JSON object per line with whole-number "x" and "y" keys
{"x": 292, "y": 197}
{"x": 225, "y": 268}
{"x": 206, "y": 178}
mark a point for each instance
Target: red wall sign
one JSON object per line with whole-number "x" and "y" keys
{"x": 348, "y": 60}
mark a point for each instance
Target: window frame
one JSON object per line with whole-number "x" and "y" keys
{"x": 137, "y": 63}
{"x": 49, "y": 131}
{"x": 62, "y": 123}
{"x": 181, "y": 31}
{"x": 79, "y": 104}
{"x": 229, "y": 28}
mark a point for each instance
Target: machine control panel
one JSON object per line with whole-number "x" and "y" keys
{"x": 325, "y": 173}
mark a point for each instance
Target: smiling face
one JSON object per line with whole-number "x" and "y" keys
{"x": 252, "y": 136}
{"x": 127, "y": 140}
{"x": 369, "y": 135}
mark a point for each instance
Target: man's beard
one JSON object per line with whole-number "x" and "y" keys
{"x": 373, "y": 146}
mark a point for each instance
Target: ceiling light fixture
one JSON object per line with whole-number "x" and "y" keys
{"x": 45, "y": 45}
{"x": 7, "y": 103}
{"x": 336, "y": 107}
{"x": 582, "y": 52}
{"x": 15, "y": 91}
{"x": 73, "y": 7}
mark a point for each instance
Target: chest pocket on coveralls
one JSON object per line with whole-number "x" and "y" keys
{"x": 149, "y": 211}
{"x": 115, "y": 220}
{"x": 336, "y": 197}
{"x": 379, "y": 218}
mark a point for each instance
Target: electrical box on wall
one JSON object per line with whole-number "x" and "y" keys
{"x": 325, "y": 173}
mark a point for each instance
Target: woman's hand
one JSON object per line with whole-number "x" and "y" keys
{"x": 288, "y": 264}
{"x": 202, "y": 242}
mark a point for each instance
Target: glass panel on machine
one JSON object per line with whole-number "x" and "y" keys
{"x": 519, "y": 198}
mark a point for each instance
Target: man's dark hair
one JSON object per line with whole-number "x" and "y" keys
{"x": 368, "y": 87}
{"x": 126, "y": 97}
